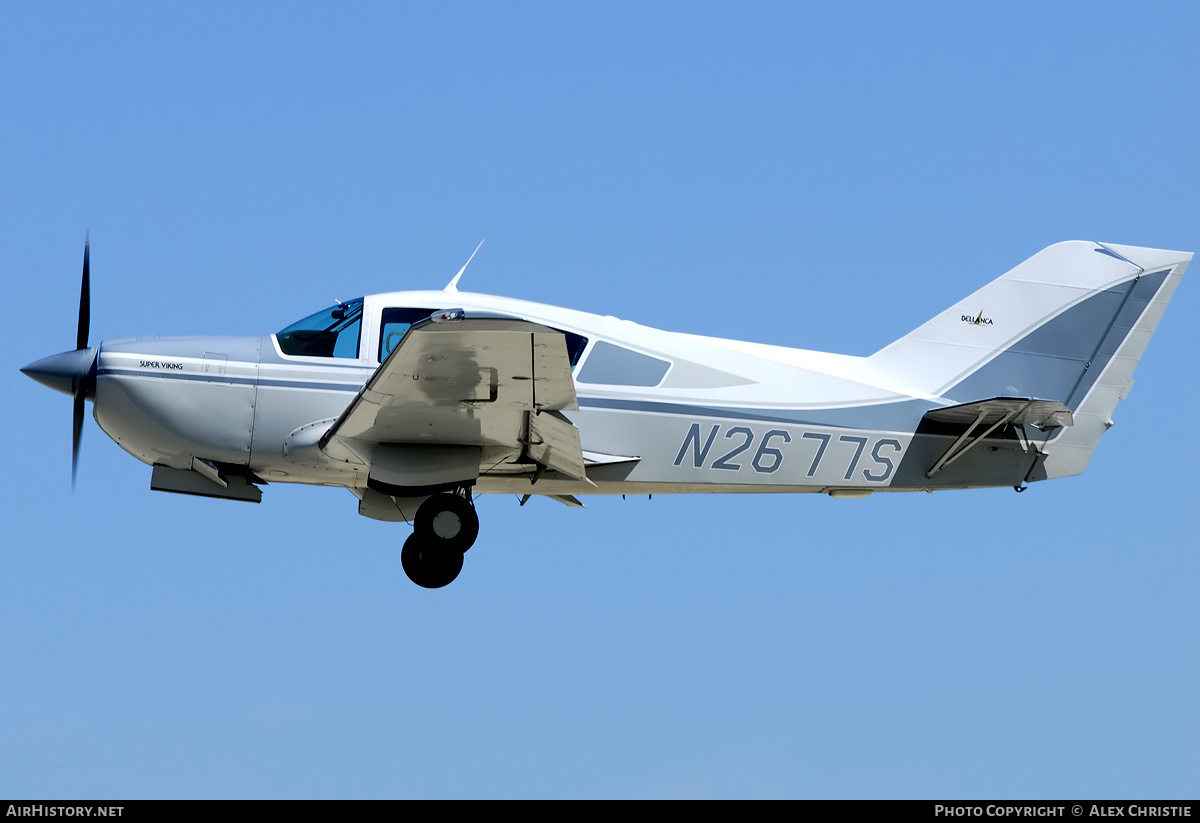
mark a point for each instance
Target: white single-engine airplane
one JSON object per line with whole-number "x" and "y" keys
{"x": 415, "y": 401}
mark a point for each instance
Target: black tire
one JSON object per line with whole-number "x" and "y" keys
{"x": 430, "y": 567}
{"x": 447, "y": 521}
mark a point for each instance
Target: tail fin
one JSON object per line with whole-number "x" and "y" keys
{"x": 1069, "y": 324}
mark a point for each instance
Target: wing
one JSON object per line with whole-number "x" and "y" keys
{"x": 491, "y": 384}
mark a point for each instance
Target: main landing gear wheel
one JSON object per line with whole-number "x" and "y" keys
{"x": 446, "y": 525}
{"x": 430, "y": 567}
{"x": 447, "y": 521}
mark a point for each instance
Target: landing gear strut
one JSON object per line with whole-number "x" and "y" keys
{"x": 446, "y": 526}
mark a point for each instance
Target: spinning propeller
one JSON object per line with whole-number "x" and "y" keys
{"x": 73, "y": 372}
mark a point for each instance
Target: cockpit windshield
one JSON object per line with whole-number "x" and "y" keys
{"x": 333, "y": 332}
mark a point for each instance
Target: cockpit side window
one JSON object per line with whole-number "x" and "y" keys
{"x": 396, "y": 323}
{"x": 333, "y": 332}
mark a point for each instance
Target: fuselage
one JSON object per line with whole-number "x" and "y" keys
{"x": 659, "y": 412}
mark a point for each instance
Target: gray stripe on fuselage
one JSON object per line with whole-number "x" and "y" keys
{"x": 235, "y": 381}
{"x": 901, "y": 416}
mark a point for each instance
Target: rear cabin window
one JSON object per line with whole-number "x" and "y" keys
{"x": 332, "y": 332}
{"x": 610, "y": 365}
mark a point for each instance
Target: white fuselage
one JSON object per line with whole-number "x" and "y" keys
{"x": 706, "y": 414}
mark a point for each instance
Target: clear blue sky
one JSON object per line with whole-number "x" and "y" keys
{"x": 823, "y": 176}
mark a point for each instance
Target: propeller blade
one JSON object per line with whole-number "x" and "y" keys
{"x": 85, "y": 300}
{"x": 81, "y": 342}
{"x": 76, "y": 436}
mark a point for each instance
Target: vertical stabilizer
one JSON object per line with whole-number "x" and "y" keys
{"x": 1067, "y": 325}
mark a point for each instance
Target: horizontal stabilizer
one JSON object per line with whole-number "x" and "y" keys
{"x": 984, "y": 417}
{"x": 1017, "y": 411}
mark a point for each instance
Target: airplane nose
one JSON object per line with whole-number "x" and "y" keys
{"x": 66, "y": 372}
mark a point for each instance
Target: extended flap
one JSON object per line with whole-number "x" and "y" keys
{"x": 554, "y": 443}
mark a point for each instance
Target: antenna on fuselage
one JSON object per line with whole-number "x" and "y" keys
{"x": 452, "y": 286}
